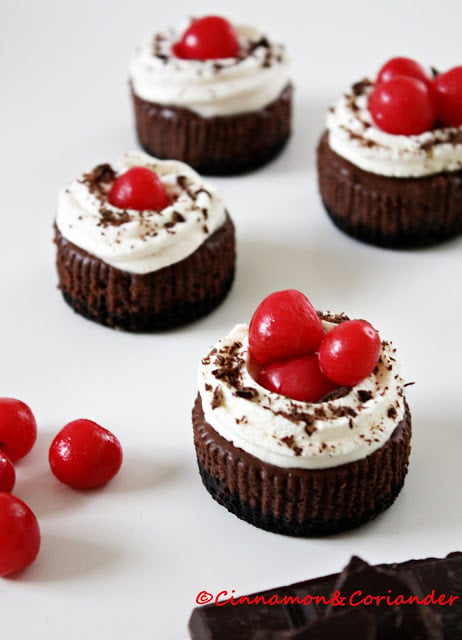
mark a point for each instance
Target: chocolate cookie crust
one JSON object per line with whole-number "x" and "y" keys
{"x": 219, "y": 145}
{"x": 389, "y": 212}
{"x": 301, "y": 502}
{"x": 162, "y": 299}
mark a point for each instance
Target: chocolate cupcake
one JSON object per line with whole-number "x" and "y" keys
{"x": 226, "y": 113}
{"x": 141, "y": 267}
{"x": 294, "y": 467}
{"x": 390, "y": 190}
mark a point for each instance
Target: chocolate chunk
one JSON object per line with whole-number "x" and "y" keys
{"x": 413, "y": 600}
{"x": 348, "y": 625}
{"x": 244, "y": 621}
{"x": 377, "y": 589}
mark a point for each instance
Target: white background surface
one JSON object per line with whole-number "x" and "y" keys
{"x": 131, "y": 558}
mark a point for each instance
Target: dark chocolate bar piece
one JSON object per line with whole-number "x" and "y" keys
{"x": 412, "y": 600}
{"x": 347, "y": 625}
{"x": 360, "y": 581}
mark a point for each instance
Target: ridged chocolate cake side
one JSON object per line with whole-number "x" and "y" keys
{"x": 159, "y": 300}
{"x": 218, "y": 145}
{"x": 301, "y": 502}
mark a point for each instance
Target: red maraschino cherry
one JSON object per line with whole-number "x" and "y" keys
{"x": 403, "y": 106}
{"x": 19, "y": 535}
{"x": 285, "y": 325}
{"x": 208, "y": 38}
{"x": 448, "y": 96}
{"x": 298, "y": 378}
{"x": 138, "y": 188}
{"x": 85, "y": 455}
{"x": 18, "y": 428}
{"x": 401, "y": 66}
{"x": 350, "y": 352}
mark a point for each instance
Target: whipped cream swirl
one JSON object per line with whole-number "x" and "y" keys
{"x": 227, "y": 86}
{"x": 289, "y": 433}
{"x": 140, "y": 241}
{"x": 353, "y": 135}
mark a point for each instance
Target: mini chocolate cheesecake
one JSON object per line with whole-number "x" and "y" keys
{"x": 221, "y": 116}
{"x": 144, "y": 270}
{"x": 389, "y": 190}
{"x": 295, "y": 467}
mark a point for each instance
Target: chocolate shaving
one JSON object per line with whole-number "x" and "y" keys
{"x": 217, "y": 398}
{"x": 290, "y": 442}
{"x": 112, "y": 218}
{"x": 364, "y": 395}
{"x": 229, "y": 365}
{"x": 341, "y": 412}
{"x": 359, "y": 87}
{"x": 299, "y": 416}
{"x": 202, "y": 190}
{"x": 247, "y": 392}
{"x": 98, "y": 179}
{"x": 391, "y": 413}
{"x": 335, "y": 318}
{"x": 177, "y": 217}
{"x": 335, "y": 394}
{"x": 310, "y": 429}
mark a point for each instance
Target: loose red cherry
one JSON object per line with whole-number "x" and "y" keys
{"x": 401, "y": 66}
{"x": 285, "y": 325}
{"x": 299, "y": 379}
{"x": 208, "y": 38}
{"x": 349, "y": 353}
{"x": 448, "y": 96}
{"x": 85, "y": 455}
{"x": 402, "y": 106}
{"x": 7, "y": 473}
{"x": 19, "y": 535}
{"x": 18, "y": 429}
{"x": 138, "y": 188}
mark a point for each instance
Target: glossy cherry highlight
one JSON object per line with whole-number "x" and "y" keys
{"x": 403, "y": 106}
{"x": 208, "y": 38}
{"x": 350, "y": 352}
{"x": 85, "y": 455}
{"x": 7, "y": 473}
{"x": 299, "y": 379}
{"x": 448, "y": 97}
{"x": 138, "y": 188}
{"x": 18, "y": 428}
{"x": 19, "y": 535}
{"x": 285, "y": 325}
